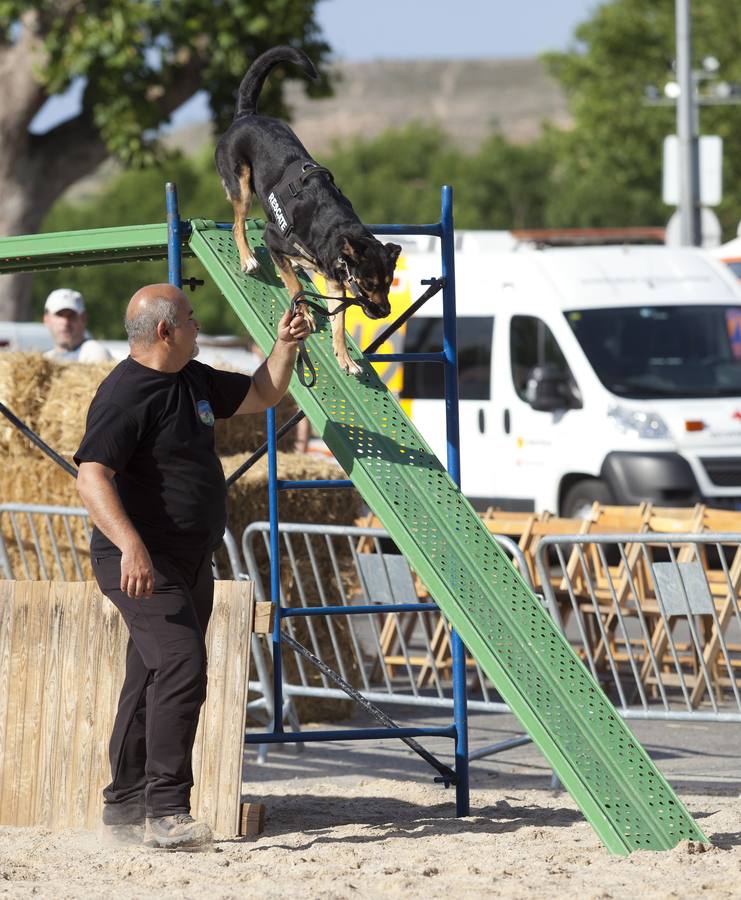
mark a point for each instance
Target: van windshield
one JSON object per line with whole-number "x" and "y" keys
{"x": 645, "y": 352}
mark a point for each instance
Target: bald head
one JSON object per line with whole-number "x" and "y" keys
{"x": 150, "y": 305}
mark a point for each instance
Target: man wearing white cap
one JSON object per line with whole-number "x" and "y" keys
{"x": 65, "y": 317}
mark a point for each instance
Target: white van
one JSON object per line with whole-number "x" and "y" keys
{"x": 31, "y": 337}
{"x": 592, "y": 373}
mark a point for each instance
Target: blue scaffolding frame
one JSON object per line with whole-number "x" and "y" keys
{"x": 448, "y": 358}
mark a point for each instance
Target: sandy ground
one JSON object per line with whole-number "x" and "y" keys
{"x": 366, "y": 820}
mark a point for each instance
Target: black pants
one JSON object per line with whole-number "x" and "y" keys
{"x": 165, "y": 685}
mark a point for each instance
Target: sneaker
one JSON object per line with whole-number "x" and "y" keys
{"x": 175, "y": 832}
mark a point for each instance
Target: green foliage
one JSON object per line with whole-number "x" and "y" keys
{"x": 396, "y": 177}
{"x": 133, "y": 53}
{"x": 134, "y": 198}
{"x": 608, "y": 168}
{"x": 504, "y": 185}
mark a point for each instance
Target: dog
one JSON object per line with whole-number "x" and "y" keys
{"x": 312, "y": 225}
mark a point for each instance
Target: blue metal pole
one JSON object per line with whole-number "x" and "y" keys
{"x": 275, "y": 572}
{"x": 450, "y": 366}
{"x": 174, "y": 259}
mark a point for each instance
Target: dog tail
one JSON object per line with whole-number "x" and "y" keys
{"x": 249, "y": 89}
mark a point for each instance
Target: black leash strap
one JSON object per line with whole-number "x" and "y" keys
{"x": 448, "y": 776}
{"x": 303, "y": 361}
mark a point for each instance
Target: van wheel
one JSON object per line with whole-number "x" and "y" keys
{"x": 580, "y": 496}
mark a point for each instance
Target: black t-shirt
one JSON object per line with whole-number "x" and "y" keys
{"x": 156, "y": 431}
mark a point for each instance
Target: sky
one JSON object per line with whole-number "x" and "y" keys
{"x": 362, "y": 30}
{"x": 365, "y": 30}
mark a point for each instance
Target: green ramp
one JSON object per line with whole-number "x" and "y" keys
{"x": 503, "y": 624}
{"x": 90, "y": 247}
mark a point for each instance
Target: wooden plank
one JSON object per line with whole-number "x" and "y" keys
{"x": 62, "y": 660}
{"x": 111, "y": 670}
{"x": 14, "y": 720}
{"x": 50, "y": 660}
{"x": 84, "y": 743}
{"x": 67, "y": 599}
{"x": 264, "y": 617}
{"x": 252, "y": 819}
{"x": 34, "y": 681}
{"x": 7, "y": 611}
{"x": 207, "y": 756}
{"x": 89, "y": 708}
{"x": 217, "y": 764}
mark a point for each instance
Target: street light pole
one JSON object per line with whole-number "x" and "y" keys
{"x": 687, "y": 132}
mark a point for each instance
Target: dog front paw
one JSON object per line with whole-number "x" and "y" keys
{"x": 348, "y": 365}
{"x": 249, "y": 265}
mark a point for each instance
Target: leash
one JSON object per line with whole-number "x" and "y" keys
{"x": 303, "y": 361}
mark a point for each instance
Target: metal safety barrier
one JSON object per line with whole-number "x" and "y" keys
{"x": 39, "y": 542}
{"x": 654, "y": 617}
{"x": 332, "y": 577}
{"x": 43, "y": 542}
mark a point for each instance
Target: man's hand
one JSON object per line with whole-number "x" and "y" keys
{"x": 137, "y": 572}
{"x": 292, "y": 329}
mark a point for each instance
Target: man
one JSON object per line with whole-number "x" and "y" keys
{"x": 154, "y": 487}
{"x": 66, "y": 319}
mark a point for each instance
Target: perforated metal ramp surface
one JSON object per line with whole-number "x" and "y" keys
{"x": 504, "y": 626}
{"x": 91, "y": 247}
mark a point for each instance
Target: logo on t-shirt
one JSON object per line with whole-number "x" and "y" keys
{"x": 205, "y": 413}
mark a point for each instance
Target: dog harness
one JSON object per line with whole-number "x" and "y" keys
{"x": 281, "y": 202}
{"x": 282, "y": 199}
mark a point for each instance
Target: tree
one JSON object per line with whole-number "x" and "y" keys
{"x": 505, "y": 185}
{"x": 609, "y": 166}
{"x": 139, "y": 61}
{"x": 396, "y": 177}
{"x": 132, "y": 198}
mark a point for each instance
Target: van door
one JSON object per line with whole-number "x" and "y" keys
{"x": 423, "y": 395}
{"x": 538, "y": 446}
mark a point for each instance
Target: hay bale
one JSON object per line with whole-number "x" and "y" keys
{"x": 61, "y": 420}
{"x": 24, "y": 380}
{"x": 248, "y": 502}
{"x": 53, "y": 399}
{"x": 244, "y": 434}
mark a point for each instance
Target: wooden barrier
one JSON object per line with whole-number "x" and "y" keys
{"x": 62, "y": 655}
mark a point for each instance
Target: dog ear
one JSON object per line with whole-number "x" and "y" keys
{"x": 392, "y": 253}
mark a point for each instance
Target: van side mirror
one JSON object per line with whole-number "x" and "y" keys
{"x": 548, "y": 389}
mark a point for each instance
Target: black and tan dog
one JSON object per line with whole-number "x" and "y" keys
{"x": 312, "y": 224}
